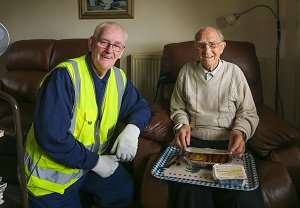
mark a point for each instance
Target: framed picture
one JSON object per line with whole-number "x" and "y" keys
{"x": 105, "y": 9}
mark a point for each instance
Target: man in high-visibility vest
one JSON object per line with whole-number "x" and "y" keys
{"x": 78, "y": 106}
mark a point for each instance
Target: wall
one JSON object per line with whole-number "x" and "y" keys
{"x": 159, "y": 22}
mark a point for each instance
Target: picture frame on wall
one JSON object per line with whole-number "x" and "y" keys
{"x": 106, "y": 9}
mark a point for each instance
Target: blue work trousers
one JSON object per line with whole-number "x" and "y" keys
{"x": 115, "y": 191}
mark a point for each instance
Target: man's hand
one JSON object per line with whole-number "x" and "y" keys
{"x": 126, "y": 144}
{"x": 236, "y": 143}
{"x": 182, "y": 137}
{"x": 106, "y": 165}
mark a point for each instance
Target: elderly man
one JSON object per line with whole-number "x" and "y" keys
{"x": 212, "y": 106}
{"x": 77, "y": 109}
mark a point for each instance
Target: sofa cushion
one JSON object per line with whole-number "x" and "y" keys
{"x": 68, "y": 48}
{"x": 29, "y": 55}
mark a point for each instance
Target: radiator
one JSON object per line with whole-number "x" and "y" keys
{"x": 143, "y": 71}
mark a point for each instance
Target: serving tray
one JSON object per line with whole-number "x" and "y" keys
{"x": 204, "y": 177}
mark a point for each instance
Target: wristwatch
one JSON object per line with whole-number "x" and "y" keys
{"x": 177, "y": 127}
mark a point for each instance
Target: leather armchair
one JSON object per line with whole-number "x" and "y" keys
{"x": 275, "y": 144}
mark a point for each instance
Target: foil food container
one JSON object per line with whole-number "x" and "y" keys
{"x": 206, "y": 157}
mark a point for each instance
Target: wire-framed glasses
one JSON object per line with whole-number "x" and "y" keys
{"x": 117, "y": 47}
{"x": 211, "y": 45}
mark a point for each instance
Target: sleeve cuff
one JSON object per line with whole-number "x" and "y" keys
{"x": 177, "y": 127}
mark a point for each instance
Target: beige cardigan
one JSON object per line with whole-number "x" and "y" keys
{"x": 213, "y": 108}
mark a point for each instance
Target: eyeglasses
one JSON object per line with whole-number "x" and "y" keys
{"x": 116, "y": 47}
{"x": 211, "y": 45}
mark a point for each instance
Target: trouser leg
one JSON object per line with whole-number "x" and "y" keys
{"x": 190, "y": 196}
{"x": 115, "y": 191}
{"x": 226, "y": 198}
{"x": 70, "y": 199}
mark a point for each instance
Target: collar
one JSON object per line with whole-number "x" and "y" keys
{"x": 93, "y": 70}
{"x": 204, "y": 71}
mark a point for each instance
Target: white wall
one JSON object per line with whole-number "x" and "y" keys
{"x": 158, "y": 22}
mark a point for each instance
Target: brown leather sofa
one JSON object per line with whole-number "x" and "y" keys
{"x": 26, "y": 63}
{"x": 275, "y": 144}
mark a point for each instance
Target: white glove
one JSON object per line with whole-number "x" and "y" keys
{"x": 126, "y": 144}
{"x": 106, "y": 165}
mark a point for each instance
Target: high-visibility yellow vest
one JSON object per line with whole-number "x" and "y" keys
{"x": 91, "y": 126}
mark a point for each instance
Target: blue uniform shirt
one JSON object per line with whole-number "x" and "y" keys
{"x": 53, "y": 113}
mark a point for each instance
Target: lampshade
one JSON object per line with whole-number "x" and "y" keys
{"x": 230, "y": 19}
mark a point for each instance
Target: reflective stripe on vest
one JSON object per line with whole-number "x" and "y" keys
{"x": 100, "y": 147}
{"x": 46, "y": 176}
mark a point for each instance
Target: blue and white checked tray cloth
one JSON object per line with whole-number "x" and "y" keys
{"x": 251, "y": 182}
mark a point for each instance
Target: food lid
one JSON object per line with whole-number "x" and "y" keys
{"x": 229, "y": 171}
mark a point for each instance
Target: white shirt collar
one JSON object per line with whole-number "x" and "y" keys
{"x": 204, "y": 71}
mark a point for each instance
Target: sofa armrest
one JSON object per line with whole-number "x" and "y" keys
{"x": 146, "y": 148}
{"x": 154, "y": 192}
{"x": 160, "y": 126}
{"x": 276, "y": 185}
{"x": 290, "y": 157}
{"x": 272, "y": 132}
